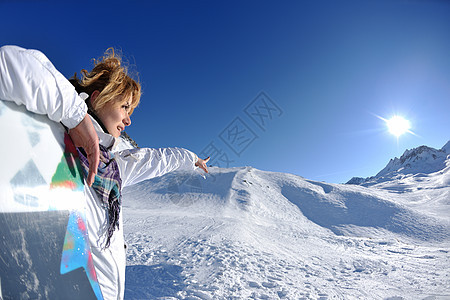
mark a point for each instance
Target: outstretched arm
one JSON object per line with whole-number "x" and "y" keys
{"x": 137, "y": 165}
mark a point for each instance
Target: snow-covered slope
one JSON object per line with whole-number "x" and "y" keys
{"x": 244, "y": 233}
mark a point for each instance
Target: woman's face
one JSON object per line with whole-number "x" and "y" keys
{"x": 115, "y": 116}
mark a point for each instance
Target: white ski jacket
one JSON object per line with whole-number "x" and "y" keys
{"x": 27, "y": 77}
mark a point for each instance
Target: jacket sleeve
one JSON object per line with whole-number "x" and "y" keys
{"x": 137, "y": 165}
{"x": 27, "y": 77}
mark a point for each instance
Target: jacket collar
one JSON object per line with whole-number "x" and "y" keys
{"x": 105, "y": 139}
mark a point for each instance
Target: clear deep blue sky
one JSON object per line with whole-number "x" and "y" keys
{"x": 328, "y": 67}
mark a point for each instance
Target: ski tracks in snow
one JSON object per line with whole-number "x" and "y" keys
{"x": 248, "y": 242}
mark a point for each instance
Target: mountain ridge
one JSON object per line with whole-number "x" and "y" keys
{"x": 422, "y": 159}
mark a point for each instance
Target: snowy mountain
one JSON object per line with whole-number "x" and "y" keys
{"x": 415, "y": 162}
{"x": 243, "y": 233}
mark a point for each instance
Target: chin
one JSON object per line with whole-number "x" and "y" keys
{"x": 114, "y": 133}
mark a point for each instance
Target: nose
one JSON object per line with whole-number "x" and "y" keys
{"x": 127, "y": 120}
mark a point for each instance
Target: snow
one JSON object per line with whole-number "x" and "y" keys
{"x": 422, "y": 159}
{"x": 244, "y": 233}
{"x": 418, "y": 161}
{"x": 446, "y": 148}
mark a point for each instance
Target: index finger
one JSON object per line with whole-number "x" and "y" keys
{"x": 204, "y": 167}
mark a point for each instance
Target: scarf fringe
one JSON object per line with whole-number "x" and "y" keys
{"x": 107, "y": 185}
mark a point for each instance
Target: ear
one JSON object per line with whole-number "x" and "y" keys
{"x": 93, "y": 97}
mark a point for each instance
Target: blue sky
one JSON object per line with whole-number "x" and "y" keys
{"x": 288, "y": 86}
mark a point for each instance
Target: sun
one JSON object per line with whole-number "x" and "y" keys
{"x": 398, "y": 125}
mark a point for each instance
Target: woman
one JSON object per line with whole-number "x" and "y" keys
{"x": 95, "y": 112}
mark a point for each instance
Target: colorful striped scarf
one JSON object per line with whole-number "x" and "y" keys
{"x": 107, "y": 185}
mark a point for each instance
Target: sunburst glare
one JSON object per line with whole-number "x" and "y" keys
{"x": 398, "y": 125}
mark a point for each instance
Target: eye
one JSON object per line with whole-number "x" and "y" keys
{"x": 126, "y": 107}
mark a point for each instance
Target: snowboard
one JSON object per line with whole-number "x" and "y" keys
{"x": 44, "y": 246}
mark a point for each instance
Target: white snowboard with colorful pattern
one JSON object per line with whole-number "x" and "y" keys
{"x": 44, "y": 249}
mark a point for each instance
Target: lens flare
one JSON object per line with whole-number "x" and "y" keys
{"x": 398, "y": 125}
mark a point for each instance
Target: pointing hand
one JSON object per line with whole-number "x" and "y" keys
{"x": 201, "y": 163}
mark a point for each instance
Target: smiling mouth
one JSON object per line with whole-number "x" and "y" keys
{"x": 119, "y": 128}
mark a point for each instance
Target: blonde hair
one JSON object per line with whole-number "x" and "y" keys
{"x": 110, "y": 77}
